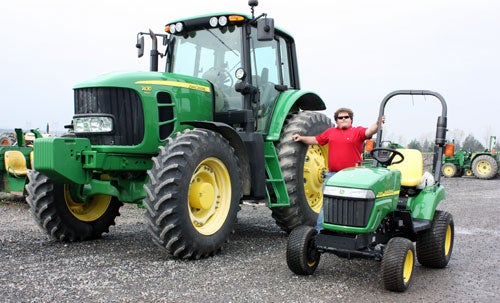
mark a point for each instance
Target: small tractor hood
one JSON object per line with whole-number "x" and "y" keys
{"x": 375, "y": 179}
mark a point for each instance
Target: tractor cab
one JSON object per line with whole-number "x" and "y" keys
{"x": 244, "y": 58}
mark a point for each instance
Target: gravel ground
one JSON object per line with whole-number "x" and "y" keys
{"x": 125, "y": 266}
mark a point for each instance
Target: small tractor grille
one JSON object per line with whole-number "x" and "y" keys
{"x": 348, "y": 212}
{"x": 125, "y": 106}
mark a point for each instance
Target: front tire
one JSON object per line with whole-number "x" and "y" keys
{"x": 64, "y": 217}
{"x": 303, "y": 167}
{"x": 398, "y": 264}
{"x": 434, "y": 246}
{"x": 301, "y": 255}
{"x": 449, "y": 170}
{"x": 193, "y": 194}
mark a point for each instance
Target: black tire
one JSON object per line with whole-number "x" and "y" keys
{"x": 59, "y": 215}
{"x": 398, "y": 264}
{"x": 303, "y": 167}
{"x": 434, "y": 246}
{"x": 449, "y": 170}
{"x": 484, "y": 167}
{"x": 193, "y": 194}
{"x": 7, "y": 140}
{"x": 301, "y": 254}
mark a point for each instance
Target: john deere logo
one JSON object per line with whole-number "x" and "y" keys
{"x": 341, "y": 191}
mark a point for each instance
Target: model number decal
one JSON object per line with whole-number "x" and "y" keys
{"x": 202, "y": 88}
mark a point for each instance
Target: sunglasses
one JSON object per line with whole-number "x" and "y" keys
{"x": 343, "y": 117}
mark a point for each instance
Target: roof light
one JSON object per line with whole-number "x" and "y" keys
{"x": 213, "y": 21}
{"x": 179, "y": 26}
{"x": 171, "y": 28}
{"x": 222, "y": 20}
{"x": 236, "y": 18}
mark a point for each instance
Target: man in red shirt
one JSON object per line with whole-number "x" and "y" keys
{"x": 345, "y": 144}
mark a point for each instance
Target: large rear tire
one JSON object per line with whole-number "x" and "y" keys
{"x": 65, "y": 218}
{"x": 302, "y": 257}
{"x": 484, "y": 167}
{"x": 303, "y": 167}
{"x": 434, "y": 246}
{"x": 193, "y": 194}
{"x": 7, "y": 140}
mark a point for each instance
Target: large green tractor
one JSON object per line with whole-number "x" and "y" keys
{"x": 379, "y": 211}
{"x": 189, "y": 143}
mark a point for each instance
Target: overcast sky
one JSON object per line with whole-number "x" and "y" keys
{"x": 352, "y": 53}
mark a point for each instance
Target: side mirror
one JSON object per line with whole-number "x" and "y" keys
{"x": 265, "y": 29}
{"x": 140, "y": 46}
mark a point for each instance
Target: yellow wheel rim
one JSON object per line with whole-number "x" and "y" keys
{"x": 447, "y": 241}
{"x": 448, "y": 170}
{"x": 315, "y": 165}
{"x": 86, "y": 211}
{"x": 209, "y": 196}
{"x": 408, "y": 266}
{"x": 483, "y": 167}
{"x": 468, "y": 172}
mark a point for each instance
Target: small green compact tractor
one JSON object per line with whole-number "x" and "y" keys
{"x": 15, "y": 160}
{"x": 379, "y": 211}
{"x": 481, "y": 164}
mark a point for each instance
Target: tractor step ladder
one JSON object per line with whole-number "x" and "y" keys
{"x": 275, "y": 177}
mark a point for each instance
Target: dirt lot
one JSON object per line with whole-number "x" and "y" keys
{"x": 125, "y": 266}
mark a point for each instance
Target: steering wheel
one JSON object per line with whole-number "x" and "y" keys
{"x": 384, "y": 155}
{"x": 219, "y": 76}
{"x": 227, "y": 79}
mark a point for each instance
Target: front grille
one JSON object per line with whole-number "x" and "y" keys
{"x": 347, "y": 212}
{"x": 125, "y": 106}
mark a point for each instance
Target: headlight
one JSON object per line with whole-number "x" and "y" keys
{"x": 240, "y": 73}
{"x": 349, "y": 192}
{"x": 93, "y": 124}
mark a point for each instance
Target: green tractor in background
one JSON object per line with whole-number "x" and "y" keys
{"x": 15, "y": 160}
{"x": 189, "y": 143}
{"x": 483, "y": 165}
{"x": 378, "y": 211}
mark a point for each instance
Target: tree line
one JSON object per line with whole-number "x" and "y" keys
{"x": 470, "y": 143}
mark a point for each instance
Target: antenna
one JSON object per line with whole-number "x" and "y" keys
{"x": 253, "y": 4}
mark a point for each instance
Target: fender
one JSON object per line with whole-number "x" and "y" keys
{"x": 236, "y": 142}
{"x": 292, "y": 101}
{"x": 424, "y": 205}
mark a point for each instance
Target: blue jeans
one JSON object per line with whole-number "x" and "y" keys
{"x": 319, "y": 222}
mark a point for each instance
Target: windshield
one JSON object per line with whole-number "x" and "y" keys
{"x": 213, "y": 54}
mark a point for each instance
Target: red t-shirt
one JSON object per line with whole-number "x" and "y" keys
{"x": 344, "y": 146}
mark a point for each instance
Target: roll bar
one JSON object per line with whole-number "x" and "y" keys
{"x": 441, "y": 129}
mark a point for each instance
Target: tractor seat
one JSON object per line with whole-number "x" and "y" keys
{"x": 32, "y": 159}
{"x": 15, "y": 163}
{"x": 411, "y": 168}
